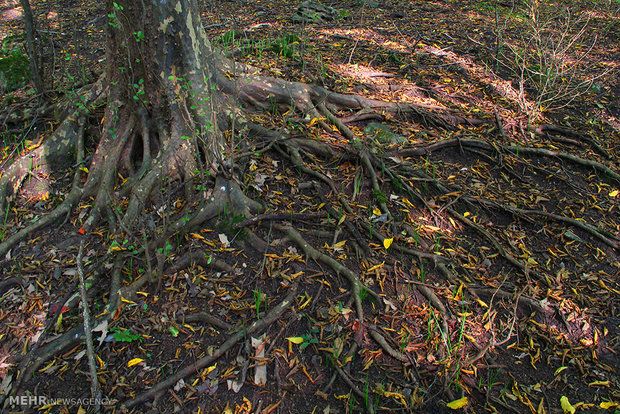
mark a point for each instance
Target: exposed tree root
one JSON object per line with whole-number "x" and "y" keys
{"x": 607, "y": 172}
{"x": 144, "y": 148}
{"x": 256, "y": 326}
{"x": 95, "y": 390}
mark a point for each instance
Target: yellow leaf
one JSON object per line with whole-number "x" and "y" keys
{"x": 209, "y": 369}
{"x": 127, "y": 301}
{"x": 481, "y": 303}
{"x": 115, "y": 248}
{"x": 134, "y": 361}
{"x": 456, "y": 404}
{"x": 340, "y": 244}
{"x": 466, "y": 214}
{"x": 196, "y": 236}
{"x": 388, "y": 242}
{"x": 376, "y": 211}
{"x": 613, "y": 193}
{"x": 396, "y": 395}
{"x": 557, "y": 371}
{"x": 599, "y": 383}
{"x": 342, "y": 219}
{"x": 315, "y": 120}
{"x": 59, "y": 322}
{"x": 295, "y": 339}
{"x": 606, "y": 405}
{"x": 51, "y": 364}
{"x": 566, "y": 406}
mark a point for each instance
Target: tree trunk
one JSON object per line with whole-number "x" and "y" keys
{"x": 161, "y": 69}
{"x": 35, "y": 67}
{"x": 164, "y": 108}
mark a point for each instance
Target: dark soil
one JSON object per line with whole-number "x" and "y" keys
{"x": 556, "y": 327}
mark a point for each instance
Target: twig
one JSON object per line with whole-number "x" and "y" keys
{"x": 280, "y": 216}
{"x": 258, "y": 325}
{"x": 95, "y": 391}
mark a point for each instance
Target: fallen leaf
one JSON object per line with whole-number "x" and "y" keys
{"x": 566, "y": 406}
{"x": 456, "y": 404}
{"x": 295, "y": 339}
{"x": 134, "y": 361}
{"x": 224, "y": 240}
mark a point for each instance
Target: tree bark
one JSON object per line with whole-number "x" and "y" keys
{"x": 30, "y": 27}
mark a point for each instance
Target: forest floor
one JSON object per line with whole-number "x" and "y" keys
{"x": 525, "y": 319}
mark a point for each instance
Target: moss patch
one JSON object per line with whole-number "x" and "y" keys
{"x": 14, "y": 71}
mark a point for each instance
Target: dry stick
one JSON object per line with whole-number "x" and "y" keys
{"x": 369, "y": 408}
{"x": 375, "y": 183}
{"x": 547, "y": 129}
{"x": 594, "y": 231}
{"x": 258, "y": 325}
{"x": 279, "y": 216}
{"x": 492, "y": 239}
{"x": 347, "y": 223}
{"x": 95, "y": 391}
{"x": 514, "y": 149}
{"x": 357, "y": 285}
{"x": 295, "y": 158}
{"x": 208, "y": 318}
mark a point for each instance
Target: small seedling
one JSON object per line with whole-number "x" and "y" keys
{"x": 124, "y": 335}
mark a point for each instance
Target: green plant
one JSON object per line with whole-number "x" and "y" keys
{"x": 14, "y": 71}
{"x": 258, "y": 298}
{"x": 549, "y": 59}
{"x": 286, "y": 46}
{"x": 379, "y": 196}
{"x": 230, "y": 38}
{"x": 166, "y": 249}
{"x": 125, "y": 335}
{"x": 308, "y": 339}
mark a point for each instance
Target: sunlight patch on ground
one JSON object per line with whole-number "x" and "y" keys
{"x": 367, "y": 35}
{"x": 362, "y": 73}
{"x": 482, "y": 73}
{"x": 11, "y": 14}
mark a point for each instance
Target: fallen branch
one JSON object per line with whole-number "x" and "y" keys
{"x": 256, "y": 326}
{"x": 95, "y": 390}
